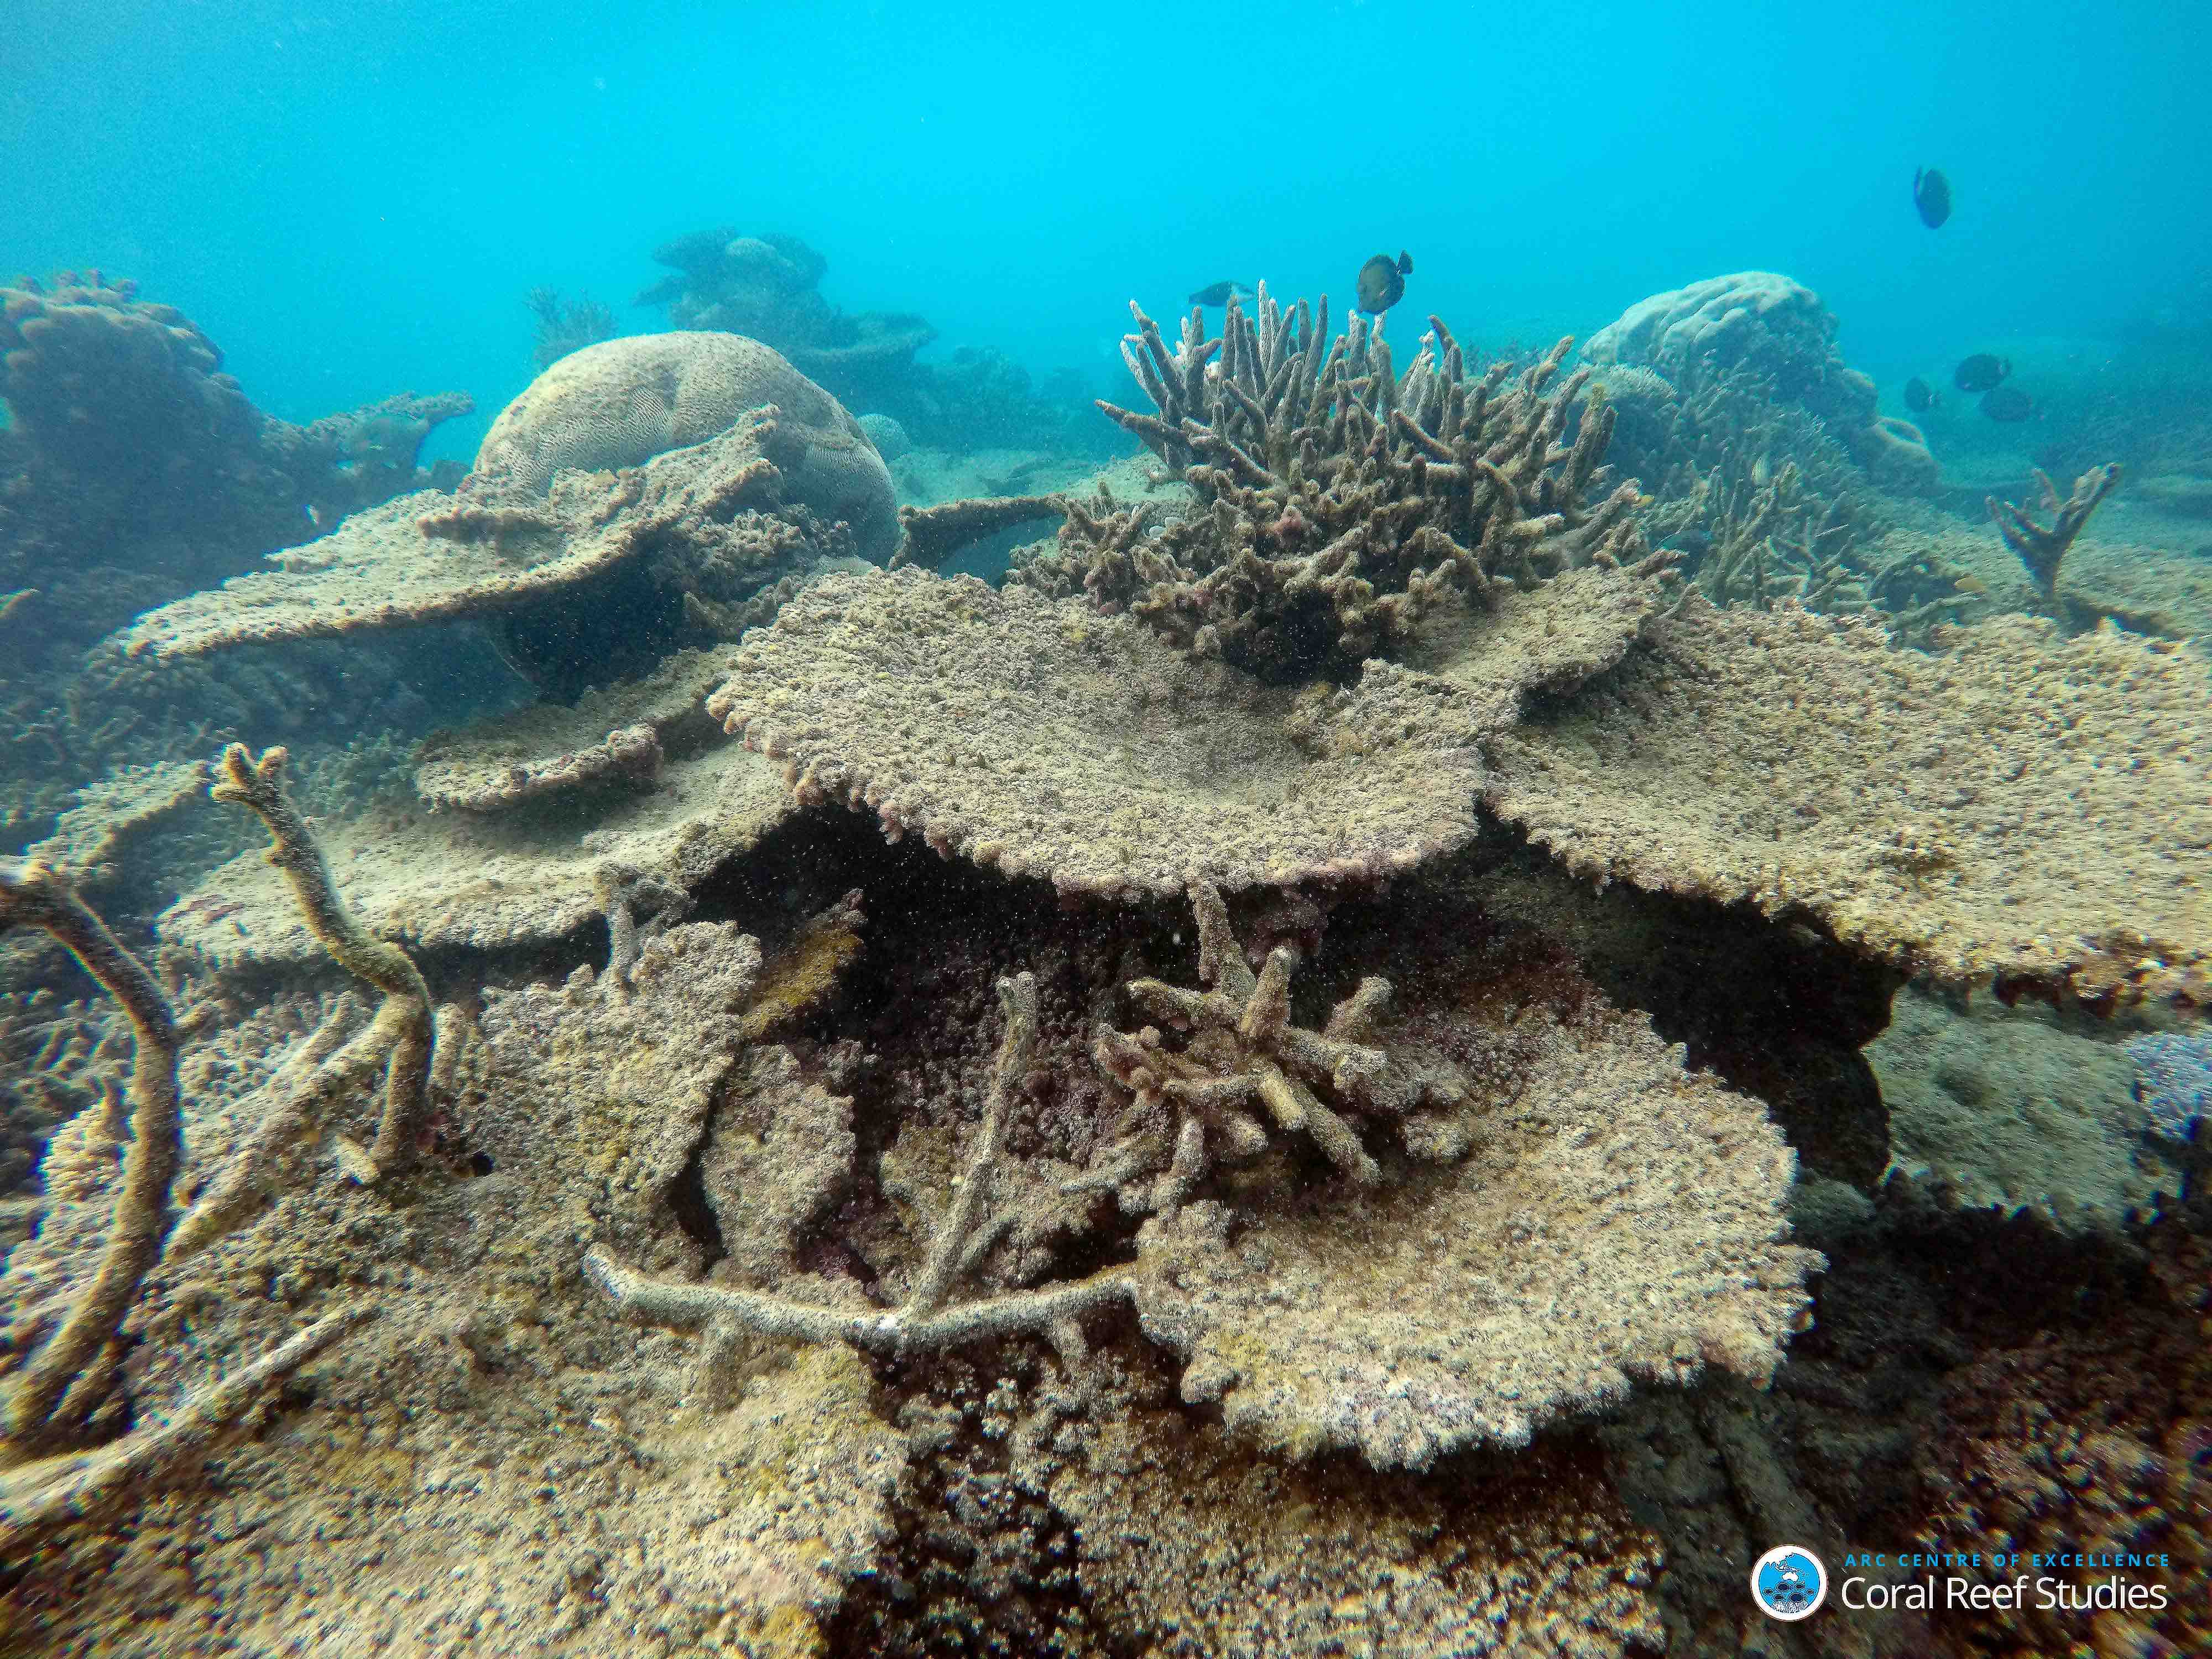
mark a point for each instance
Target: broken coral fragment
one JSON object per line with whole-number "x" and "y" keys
{"x": 1040, "y": 738}
{"x": 2018, "y": 805}
{"x": 1242, "y": 1062}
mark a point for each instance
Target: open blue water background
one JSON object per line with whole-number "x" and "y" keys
{"x": 352, "y": 196}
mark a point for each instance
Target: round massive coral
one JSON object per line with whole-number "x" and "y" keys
{"x": 620, "y": 403}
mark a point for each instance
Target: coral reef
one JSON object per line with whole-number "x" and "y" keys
{"x": 620, "y": 403}
{"x": 2003, "y": 1108}
{"x": 1245, "y": 1055}
{"x": 612, "y": 738}
{"x": 1177, "y": 1522}
{"x": 766, "y": 288}
{"x": 129, "y": 452}
{"x": 1599, "y": 1213}
{"x": 1953, "y": 812}
{"x": 1339, "y": 500}
{"x": 1757, "y": 326}
{"x": 927, "y": 1318}
{"x": 485, "y": 881}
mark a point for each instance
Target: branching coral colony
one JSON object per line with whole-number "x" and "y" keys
{"x": 1341, "y": 499}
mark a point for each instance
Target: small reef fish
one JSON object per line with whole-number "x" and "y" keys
{"x": 1221, "y": 294}
{"x": 1383, "y": 284}
{"x": 1931, "y": 194}
{"x": 1980, "y": 371}
{"x": 2008, "y": 404}
{"x": 1920, "y": 397}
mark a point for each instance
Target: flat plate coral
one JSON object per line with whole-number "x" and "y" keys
{"x": 458, "y": 878}
{"x": 1042, "y": 738}
{"x": 2021, "y": 805}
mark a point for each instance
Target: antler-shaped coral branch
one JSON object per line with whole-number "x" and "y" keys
{"x": 929, "y": 1319}
{"x": 401, "y": 1038}
{"x": 62, "y": 1385}
{"x": 2043, "y": 550}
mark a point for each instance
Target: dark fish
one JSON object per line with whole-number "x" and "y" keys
{"x": 1220, "y": 294}
{"x": 1980, "y": 371}
{"x": 1920, "y": 397}
{"x": 2008, "y": 404}
{"x": 1931, "y": 194}
{"x": 1382, "y": 284}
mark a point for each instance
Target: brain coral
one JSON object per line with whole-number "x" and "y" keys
{"x": 620, "y": 403}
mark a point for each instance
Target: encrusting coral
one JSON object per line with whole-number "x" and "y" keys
{"x": 1337, "y": 500}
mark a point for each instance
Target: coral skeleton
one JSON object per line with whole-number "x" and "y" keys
{"x": 400, "y": 1038}
{"x": 928, "y": 1318}
{"x": 50, "y": 1406}
{"x": 1245, "y": 1056}
{"x": 72, "y": 1373}
{"x": 1339, "y": 499}
{"x": 2043, "y": 550}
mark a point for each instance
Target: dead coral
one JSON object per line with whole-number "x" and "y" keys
{"x": 585, "y": 581}
{"x": 91, "y": 834}
{"x": 1178, "y": 1526}
{"x": 621, "y": 402}
{"x": 928, "y": 1318}
{"x": 2021, "y": 805}
{"x": 483, "y": 881}
{"x": 2042, "y": 550}
{"x": 1040, "y": 738}
{"x": 1339, "y": 499}
{"x": 1610, "y": 1216}
{"x": 611, "y": 737}
{"x": 1244, "y": 1058}
{"x": 72, "y": 1373}
{"x": 930, "y": 535}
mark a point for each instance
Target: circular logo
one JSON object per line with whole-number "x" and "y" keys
{"x": 1789, "y": 1582}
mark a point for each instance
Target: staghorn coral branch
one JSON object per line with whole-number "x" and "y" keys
{"x": 2043, "y": 550}
{"x": 58, "y": 1388}
{"x": 404, "y": 1019}
{"x": 962, "y": 1236}
{"x": 60, "y": 1490}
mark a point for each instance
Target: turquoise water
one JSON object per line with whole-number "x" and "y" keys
{"x": 354, "y": 197}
